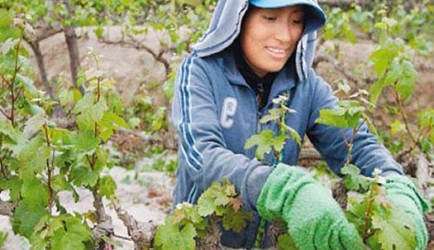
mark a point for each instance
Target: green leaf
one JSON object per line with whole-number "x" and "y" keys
{"x": 353, "y": 179}
{"x": 284, "y": 241}
{"x": 293, "y": 135}
{"x": 186, "y": 212}
{"x": 229, "y": 188}
{"x": 89, "y": 111}
{"x": 83, "y": 176}
{"x": 211, "y": 198}
{"x": 332, "y": 117}
{"x": 32, "y": 207}
{"x": 60, "y": 183}
{"x": 110, "y": 123}
{"x": 346, "y": 114}
{"x": 32, "y": 157}
{"x": 9, "y": 134}
{"x": 13, "y": 184}
{"x": 72, "y": 235}
{"x": 426, "y": 118}
{"x": 397, "y": 127}
{"x": 28, "y": 85}
{"x": 382, "y": 58}
{"x": 236, "y": 220}
{"x": 170, "y": 236}
{"x": 263, "y": 141}
{"x": 395, "y": 230}
{"x": 107, "y": 186}
{"x": 376, "y": 89}
{"x": 85, "y": 141}
{"x": 407, "y": 79}
{"x": 273, "y": 115}
{"x": 34, "y": 193}
{"x": 26, "y": 217}
{"x": 33, "y": 125}
{"x": 279, "y": 142}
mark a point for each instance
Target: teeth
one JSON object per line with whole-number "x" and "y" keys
{"x": 277, "y": 51}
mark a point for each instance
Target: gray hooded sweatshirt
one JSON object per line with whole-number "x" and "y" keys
{"x": 215, "y": 111}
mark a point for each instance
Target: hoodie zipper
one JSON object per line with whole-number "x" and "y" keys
{"x": 259, "y": 105}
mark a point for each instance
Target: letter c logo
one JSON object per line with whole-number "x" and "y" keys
{"x": 228, "y": 111}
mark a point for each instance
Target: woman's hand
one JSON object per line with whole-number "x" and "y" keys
{"x": 314, "y": 219}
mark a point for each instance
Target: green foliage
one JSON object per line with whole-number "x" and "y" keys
{"x": 170, "y": 236}
{"x": 61, "y": 232}
{"x": 401, "y": 32}
{"x": 381, "y": 224}
{"x": 266, "y": 140}
{"x": 39, "y": 159}
{"x": 190, "y": 223}
{"x": 353, "y": 179}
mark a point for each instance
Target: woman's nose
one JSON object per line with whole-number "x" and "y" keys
{"x": 283, "y": 33}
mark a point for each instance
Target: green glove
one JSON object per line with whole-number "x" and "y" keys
{"x": 315, "y": 220}
{"x": 402, "y": 192}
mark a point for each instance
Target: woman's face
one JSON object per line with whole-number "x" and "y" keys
{"x": 270, "y": 36}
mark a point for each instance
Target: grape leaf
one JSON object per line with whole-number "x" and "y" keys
{"x": 109, "y": 123}
{"x": 9, "y": 134}
{"x": 26, "y": 217}
{"x": 408, "y": 79}
{"x": 14, "y": 185}
{"x": 32, "y": 156}
{"x": 236, "y": 220}
{"x": 32, "y": 207}
{"x": 85, "y": 142}
{"x": 205, "y": 205}
{"x": 395, "y": 230}
{"x": 332, "y": 117}
{"x": 107, "y": 186}
{"x": 83, "y": 176}
{"x": 353, "y": 179}
{"x": 273, "y": 115}
{"x": 229, "y": 188}
{"x": 60, "y": 183}
{"x": 33, "y": 125}
{"x": 88, "y": 112}
{"x": 169, "y": 236}
{"x": 73, "y": 235}
{"x": 262, "y": 141}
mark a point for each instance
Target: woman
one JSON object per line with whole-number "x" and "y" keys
{"x": 253, "y": 52}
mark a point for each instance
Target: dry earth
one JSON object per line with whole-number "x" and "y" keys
{"x": 133, "y": 69}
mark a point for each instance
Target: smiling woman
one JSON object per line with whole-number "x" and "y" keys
{"x": 254, "y": 52}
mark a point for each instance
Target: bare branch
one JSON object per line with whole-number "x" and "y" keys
{"x": 142, "y": 235}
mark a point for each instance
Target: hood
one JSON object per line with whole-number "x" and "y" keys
{"x": 226, "y": 22}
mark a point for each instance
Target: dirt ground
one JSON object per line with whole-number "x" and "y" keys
{"x": 132, "y": 69}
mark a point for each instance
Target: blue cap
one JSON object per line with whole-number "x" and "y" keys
{"x": 315, "y": 16}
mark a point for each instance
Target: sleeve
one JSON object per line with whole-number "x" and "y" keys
{"x": 367, "y": 153}
{"x": 203, "y": 151}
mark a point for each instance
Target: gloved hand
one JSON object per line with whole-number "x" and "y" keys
{"x": 314, "y": 219}
{"x": 404, "y": 195}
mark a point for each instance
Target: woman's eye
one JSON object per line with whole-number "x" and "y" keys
{"x": 297, "y": 21}
{"x": 269, "y": 18}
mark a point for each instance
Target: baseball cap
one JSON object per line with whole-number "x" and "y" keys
{"x": 315, "y": 15}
